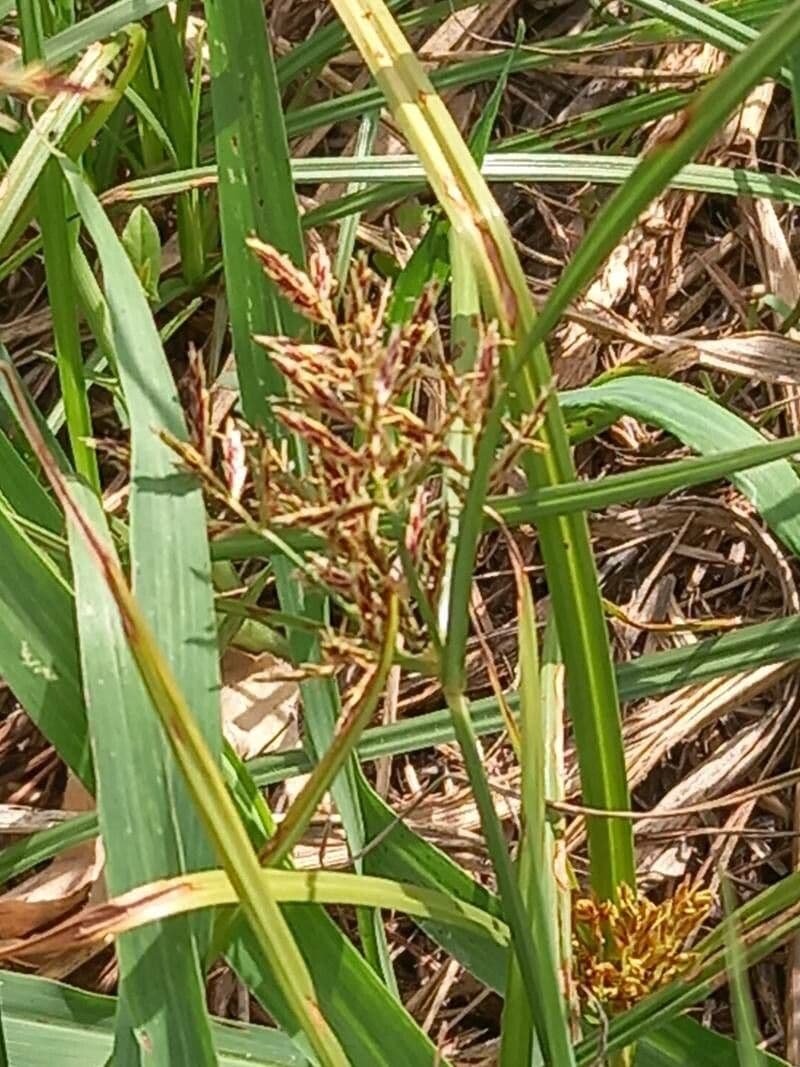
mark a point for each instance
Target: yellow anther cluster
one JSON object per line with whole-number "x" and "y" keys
{"x": 626, "y": 949}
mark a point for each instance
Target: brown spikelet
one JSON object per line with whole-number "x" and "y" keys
{"x": 198, "y": 404}
{"x": 420, "y": 325}
{"x": 318, "y": 435}
{"x": 320, "y": 271}
{"x": 388, "y": 369}
{"x": 486, "y": 365}
{"x": 234, "y": 459}
{"x": 307, "y": 357}
{"x": 293, "y": 283}
{"x": 415, "y": 527}
{"x": 312, "y": 371}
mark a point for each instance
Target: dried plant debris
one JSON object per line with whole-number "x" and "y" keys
{"x": 35, "y": 81}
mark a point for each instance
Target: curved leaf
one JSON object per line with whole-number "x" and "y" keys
{"x": 47, "y": 1022}
{"x": 707, "y": 427}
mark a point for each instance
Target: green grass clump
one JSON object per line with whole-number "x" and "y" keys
{"x": 323, "y": 496}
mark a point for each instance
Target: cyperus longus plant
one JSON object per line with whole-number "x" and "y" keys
{"x": 372, "y": 429}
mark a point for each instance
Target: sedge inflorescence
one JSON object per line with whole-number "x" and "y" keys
{"x": 626, "y": 949}
{"x": 378, "y": 410}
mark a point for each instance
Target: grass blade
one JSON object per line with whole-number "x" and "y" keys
{"x": 38, "y": 645}
{"x": 98, "y": 26}
{"x": 580, "y": 496}
{"x": 704, "y": 21}
{"x": 58, "y": 240}
{"x": 536, "y": 860}
{"x": 168, "y": 544}
{"x": 169, "y": 552}
{"x": 175, "y": 97}
{"x": 47, "y": 1022}
{"x": 706, "y": 427}
{"x": 650, "y": 675}
{"x": 686, "y": 1041}
{"x": 199, "y": 768}
{"x": 41, "y": 846}
{"x": 346, "y": 241}
{"x": 375, "y": 1029}
{"x": 172, "y": 897}
{"x": 631, "y": 486}
{"x": 393, "y": 177}
{"x": 744, "y": 1016}
{"x": 252, "y": 156}
{"x": 161, "y": 990}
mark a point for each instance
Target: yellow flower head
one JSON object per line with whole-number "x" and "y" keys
{"x": 626, "y": 949}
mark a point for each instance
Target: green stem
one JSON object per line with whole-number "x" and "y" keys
{"x": 175, "y": 97}
{"x": 514, "y": 912}
{"x": 336, "y": 754}
{"x": 58, "y": 240}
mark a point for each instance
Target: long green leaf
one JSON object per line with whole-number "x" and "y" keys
{"x": 631, "y": 486}
{"x": 18, "y": 482}
{"x": 97, "y": 27}
{"x": 535, "y": 863}
{"x": 623, "y": 488}
{"x": 48, "y": 1022}
{"x": 256, "y": 196}
{"x": 403, "y": 174}
{"x": 161, "y": 987}
{"x": 706, "y": 427}
{"x": 375, "y": 1029}
{"x": 654, "y": 674}
{"x": 58, "y": 240}
{"x": 38, "y": 645}
{"x": 41, "y": 846}
{"x": 168, "y": 545}
{"x": 703, "y": 20}
{"x": 685, "y": 1041}
{"x": 210, "y": 889}
{"x": 176, "y": 104}
{"x": 744, "y": 1015}
{"x": 171, "y": 577}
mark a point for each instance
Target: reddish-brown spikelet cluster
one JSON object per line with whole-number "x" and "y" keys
{"x": 376, "y": 409}
{"x": 198, "y": 405}
{"x": 310, "y": 293}
{"x": 622, "y": 951}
